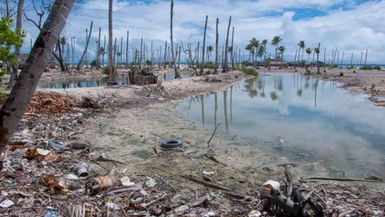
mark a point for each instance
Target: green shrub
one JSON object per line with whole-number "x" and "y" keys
{"x": 106, "y": 70}
{"x": 93, "y": 63}
{"x": 249, "y": 71}
{"x": 209, "y": 65}
{"x": 370, "y": 68}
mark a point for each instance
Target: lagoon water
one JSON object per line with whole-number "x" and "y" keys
{"x": 302, "y": 118}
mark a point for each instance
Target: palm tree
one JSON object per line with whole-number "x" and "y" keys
{"x": 264, "y": 44}
{"x": 301, "y": 45}
{"x": 308, "y": 52}
{"x": 255, "y": 45}
{"x": 209, "y": 50}
{"x": 281, "y": 50}
{"x": 275, "y": 42}
{"x": 249, "y": 48}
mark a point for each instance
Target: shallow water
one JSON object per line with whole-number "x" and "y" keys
{"x": 124, "y": 80}
{"x": 301, "y": 118}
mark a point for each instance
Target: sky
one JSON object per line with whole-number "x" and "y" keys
{"x": 352, "y": 26}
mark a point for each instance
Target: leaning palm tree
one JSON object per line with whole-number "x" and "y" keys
{"x": 275, "y": 42}
{"x": 301, "y": 45}
{"x": 308, "y": 52}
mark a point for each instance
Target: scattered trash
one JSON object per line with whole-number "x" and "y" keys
{"x": 205, "y": 173}
{"x": 51, "y": 212}
{"x": 101, "y": 183}
{"x": 6, "y": 203}
{"x": 42, "y": 152}
{"x": 271, "y": 185}
{"x": 57, "y": 146}
{"x": 126, "y": 181}
{"x": 255, "y": 213}
{"x": 150, "y": 182}
{"x": 53, "y": 184}
{"x": 165, "y": 143}
{"x": 80, "y": 170}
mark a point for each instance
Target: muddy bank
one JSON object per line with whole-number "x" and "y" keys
{"x": 369, "y": 82}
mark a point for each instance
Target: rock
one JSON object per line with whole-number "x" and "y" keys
{"x": 6, "y": 203}
{"x": 78, "y": 145}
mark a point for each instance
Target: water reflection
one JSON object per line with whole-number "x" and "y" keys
{"x": 317, "y": 120}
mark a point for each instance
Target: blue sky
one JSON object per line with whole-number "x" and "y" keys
{"x": 349, "y": 25}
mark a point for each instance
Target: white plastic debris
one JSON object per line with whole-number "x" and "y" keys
{"x": 255, "y": 213}
{"x": 126, "y": 181}
{"x": 271, "y": 184}
{"x": 42, "y": 152}
{"x": 206, "y": 173}
{"x": 150, "y": 182}
{"x": 6, "y": 203}
{"x": 112, "y": 206}
{"x": 209, "y": 214}
{"x": 72, "y": 177}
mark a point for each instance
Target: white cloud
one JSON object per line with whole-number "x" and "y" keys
{"x": 354, "y": 30}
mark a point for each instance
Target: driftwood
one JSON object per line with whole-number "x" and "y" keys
{"x": 207, "y": 184}
{"x": 341, "y": 179}
{"x": 212, "y": 135}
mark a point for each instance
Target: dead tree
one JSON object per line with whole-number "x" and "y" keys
{"x": 232, "y": 50}
{"x": 112, "y": 76}
{"x": 225, "y": 63}
{"x": 204, "y": 48}
{"x": 216, "y": 46}
{"x": 98, "y": 50}
{"x": 21, "y": 94}
{"x": 127, "y": 42}
{"x": 177, "y": 75}
{"x": 86, "y": 48}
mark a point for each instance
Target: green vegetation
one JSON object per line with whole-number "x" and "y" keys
{"x": 106, "y": 70}
{"x": 249, "y": 71}
{"x": 370, "y": 68}
{"x": 3, "y": 96}
{"x": 8, "y": 39}
{"x": 209, "y": 65}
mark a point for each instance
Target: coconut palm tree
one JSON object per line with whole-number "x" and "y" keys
{"x": 264, "y": 44}
{"x": 281, "y": 50}
{"x": 275, "y": 42}
{"x": 209, "y": 51}
{"x": 301, "y": 45}
{"x": 308, "y": 52}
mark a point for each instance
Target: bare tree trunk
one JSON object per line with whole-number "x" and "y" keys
{"x": 21, "y": 94}
{"x": 112, "y": 76}
{"x": 165, "y": 55}
{"x": 216, "y": 46}
{"x": 177, "y": 75}
{"x": 232, "y": 50}
{"x": 141, "y": 53}
{"x": 225, "y": 64}
{"x": 7, "y": 9}
{"x": 98, "y": 51}
{"x": 318, "y": 65}
{"x": 86, "y": 48}
{"x": 180, "y": 52}
{"x": 204, "y": 48}
{"x": 127, "y": 41}
{"x": 19, "y": 20}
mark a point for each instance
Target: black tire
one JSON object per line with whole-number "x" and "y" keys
{"x": 171, "y": 143}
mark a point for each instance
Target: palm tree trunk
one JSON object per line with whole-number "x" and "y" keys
{"x": 216, "y": 47}
{"x": 204, "y": 47}
{"x": 86, "y": 48}
{"x": 225, "y": 64}
{"x": 165, "y": 55}
{"x": 177, "y": 75}
{"x": 21, "y": 94}
{"x": 232, "y": 50}
{"x": 127, "y": 41}
{"x": 98, "y": 51}
{"x": 112, "y": 75}
{"x": 19, "y": 20}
